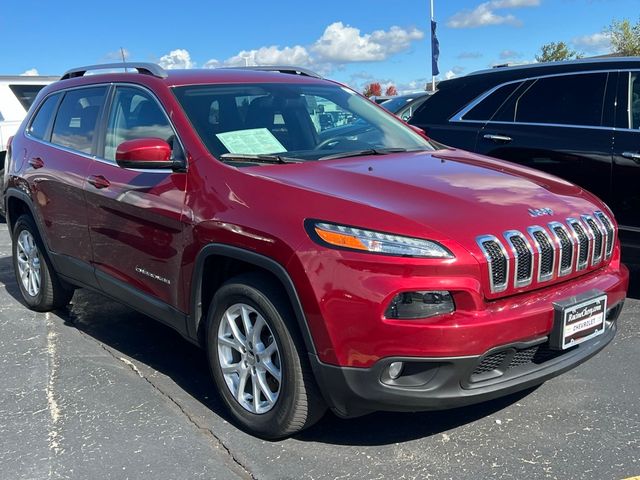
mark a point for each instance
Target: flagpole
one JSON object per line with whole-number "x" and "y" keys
{"x": 433, "y": 78}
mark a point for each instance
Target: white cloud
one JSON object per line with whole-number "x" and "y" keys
{"x": 596, "y": 43}
{"x": 484, "y": 14}
{"x": 296, "y": 55}
{"x": 345, "y": 44}
{"x": 32, "y": 72}
{"x": 179, "y": 58}
{"x": 510, "y": 55}
{"x": 450, "y": 74}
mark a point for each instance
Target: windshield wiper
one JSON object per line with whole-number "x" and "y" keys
{"x": 362, "y": 153}
{"x": 246, "y": 157}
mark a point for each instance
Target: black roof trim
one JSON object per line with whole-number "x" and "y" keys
{"x": 581, "y": 61}
{"x": 142, "y": 68}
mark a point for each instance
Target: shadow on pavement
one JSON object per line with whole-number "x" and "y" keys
{"x": 165, "y": 351}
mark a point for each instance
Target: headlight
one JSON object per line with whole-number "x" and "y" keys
{"x": 376, "y": 242}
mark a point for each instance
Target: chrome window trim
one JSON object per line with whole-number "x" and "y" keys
{"x": 552, "y": 226}
{"x": 508, "y": 235}
{"x": 484, "y": 238}
{"x": 571, "y": 221}
{"x": 95, "y": 157}
{"x": 595, "y": 259}
{"x": 597, "y": 215}
{"x": 542, "y": 278}
{"x": 458, "y": 117}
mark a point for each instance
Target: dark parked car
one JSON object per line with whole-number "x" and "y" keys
{"x": 404, "y": 106}
{"x": 579, "y": 120}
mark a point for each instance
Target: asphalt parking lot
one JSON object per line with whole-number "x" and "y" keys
{"x": 100, "y": 391}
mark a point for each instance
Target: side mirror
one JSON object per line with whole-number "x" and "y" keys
{"x": 144, "y": 153}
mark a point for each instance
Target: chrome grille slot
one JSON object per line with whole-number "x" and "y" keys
{"x": 596, "y": 255}
{"x": 565, "y": 245}
{"x": 583, "y": 243}
{"x": 523, "y": 256}
{"x": 497, "y": 261}
{"x": 546, "y": 252}
{"x": 608, "y": 227}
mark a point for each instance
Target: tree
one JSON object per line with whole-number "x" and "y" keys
{"x": 391, "y": 91}
{"x": 625, "y": 37}
{"x": 374, "y": 89}
{"x": 556, "y": 52}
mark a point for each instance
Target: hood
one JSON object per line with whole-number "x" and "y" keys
{"x": 457, "y": 194}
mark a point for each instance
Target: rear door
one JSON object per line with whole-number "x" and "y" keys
{"x": 135, "y": 216}
{"x": 57, "y": 160}
{"x": 626, "y": 158}
{"x": 561, "y": 124}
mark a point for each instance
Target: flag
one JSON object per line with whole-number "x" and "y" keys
{"x": 435, "y": 50}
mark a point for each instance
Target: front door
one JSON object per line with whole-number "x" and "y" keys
{"x": 135, "y": 216}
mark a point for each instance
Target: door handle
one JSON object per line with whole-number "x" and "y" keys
{"x": 635, "y": 156}
{"x": 36, "y": 162}
{"x": 498, "y": 138}
{"x": 98, "y": 181}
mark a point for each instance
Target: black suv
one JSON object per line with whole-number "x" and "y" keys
{"x": 579, "y": 120}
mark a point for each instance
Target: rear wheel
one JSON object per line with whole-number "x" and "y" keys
{"x": 39, "y": 284}
{"x": 258, "y": 361}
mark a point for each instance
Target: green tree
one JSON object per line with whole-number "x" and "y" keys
{"x": 625, "y": 37}
{"x": 556, "y": 52}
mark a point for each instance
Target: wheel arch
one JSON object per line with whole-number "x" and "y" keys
{"x": 210, "y": 256}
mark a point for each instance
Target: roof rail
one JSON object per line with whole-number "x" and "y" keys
{"x": 142, "y": 68}
{"x": 279, "y": 68}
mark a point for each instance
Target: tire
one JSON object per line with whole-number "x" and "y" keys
{"x": 295, "y": 402}
{"x": 39, "y": 284}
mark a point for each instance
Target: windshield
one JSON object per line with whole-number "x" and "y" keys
{"x": 293, "y": 121}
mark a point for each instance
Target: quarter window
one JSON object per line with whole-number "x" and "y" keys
{"x": 77, "y": 118}
{"x": 485, "y": 110}
{"x": 41, "y": 121}
{"x": 135, "y": 114}
{"x": 564, "y": 100}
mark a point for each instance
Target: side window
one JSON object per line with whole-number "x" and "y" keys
{"x": 484, "y": 110}
{"x": 634, "y": 100}
{"x": 77, "y": 118}
{"x": 564, "y": 100}
{"x": 42, "y": 120}
{"x": 135, "y": 114}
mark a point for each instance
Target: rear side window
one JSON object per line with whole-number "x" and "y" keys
{"x": 564, "y": 100}
{"x": 77, "y": 118}
{"x": 490, "y": 105}
{"x": 42, "y": 119}
{"x": 26, "y": 93}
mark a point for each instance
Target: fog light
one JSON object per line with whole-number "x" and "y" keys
{"x": 395, "y": 369}
{"x": 421, "y": 304}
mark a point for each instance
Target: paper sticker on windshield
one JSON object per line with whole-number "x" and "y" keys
{"x": 256, "y": 141}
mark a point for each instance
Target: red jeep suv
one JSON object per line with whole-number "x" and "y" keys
{"x": 349, "y": 264}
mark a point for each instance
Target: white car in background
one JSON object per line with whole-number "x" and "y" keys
{"x": 17, "y": 93}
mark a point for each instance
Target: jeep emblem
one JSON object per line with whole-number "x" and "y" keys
{"x": 538, "y": 212}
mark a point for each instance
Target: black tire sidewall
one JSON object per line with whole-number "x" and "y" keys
{"x": 26, "y": 223}
{"x": 277, "y": 419}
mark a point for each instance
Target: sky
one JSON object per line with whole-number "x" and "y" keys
{"x": 354, "y": 42}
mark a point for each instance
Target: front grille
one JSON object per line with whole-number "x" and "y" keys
{"x": 556, "y": 244}
{"x": 606, "y": 223}
{"x": 490, "y": 363}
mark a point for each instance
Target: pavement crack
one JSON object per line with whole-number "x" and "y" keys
{"x": 240, "y": 468}
{"x": 52, "y": 403}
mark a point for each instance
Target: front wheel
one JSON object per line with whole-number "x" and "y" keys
{"x": 258, "y": 361}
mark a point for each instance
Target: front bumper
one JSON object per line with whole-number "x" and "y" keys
{"x": 448, "y": 382}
